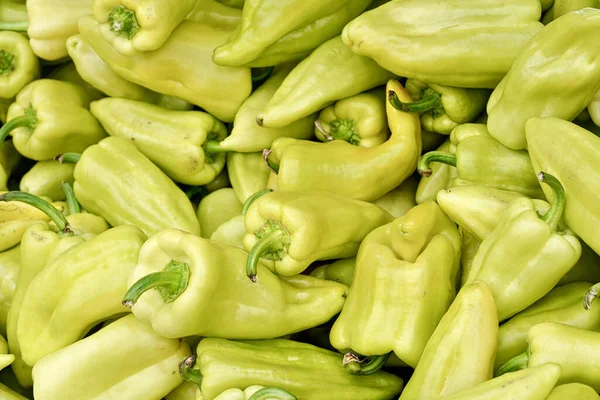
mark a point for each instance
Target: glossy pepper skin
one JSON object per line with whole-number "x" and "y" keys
{"x": 132, "y": 26}
{"x": 309, "y": 372}
{"x": 125, "y": 359}
{"x": 573, "y": 391}
{"x": 401, "y": 199}
{"x": 530, "y": 88}
{"x": 359, "y": 120}
{"x": 10, "y": 263}
{"x": 214, "y": 13}
{"x": 45, "y": 177}
{"x": 176, "y": 141}
{"x": 140, "y": 193}
{"x": 248, "y": 174}
{"x": 304, "y": 165}
{"x": 272, "y": 33}
{"x": 331, "y": 72}
{"x": 494, "y": 32}
{"x": 194, "y": 78}
{"x": 460, "y": 353}
{"x": 217, "y": 208}
{"x": 341, "y": 271}
{"x": 569, "y": 152}
{"x": 413, "y": 261}
{"x": 51, "y": 117}
{"x": 18, "y": 64}
{"x": 287, "y": 231}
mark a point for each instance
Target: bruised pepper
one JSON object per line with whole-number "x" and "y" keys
{"x": 18, "y": 64}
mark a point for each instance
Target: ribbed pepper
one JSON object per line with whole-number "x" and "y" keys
{"x": 248, "y": 174}
{"x": 45, "y": 178}
{"x": 202, "y": 291}
{"x": 10, "y": 264}
{"x": 341, "y": 271}
{"x": 572, "y": 391}
{"x": 216, "y": 208}
{"x": 401, "y": 199}
{"x": 212, "y": 12}
{"x": 18, "y": 64}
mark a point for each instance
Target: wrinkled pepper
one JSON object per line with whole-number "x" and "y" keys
{"x": 45, "y": 177}
{"x": 231, "y": 232}
{"x": 341, "y": 271}
{"x": 140, "y": 193}
{"x": 331, "y": 72}
{"x": 248, "y": 174}
{"x": 413, "y": 261}
{"x": 13, "y": 16}
{"x": 594, "y": 109}
{"x": 50, "y": 117}
{"x": 212, "y": 12}
{"x": 493, "y": 31}
{"x": 179, "y": 142}
{"x": 10, "y": 264}
{"x": 536, "y": 85}
{"x": 272, "y": 33}
{"x": 135, "y": 364}
{"x": 200, "y": 282}
{"x": 309, "y": 372}
{"x": 287, "y": 231}
{"x": 572, "y": 391}
{"x": 401, "y": 199}
{"x": 216, "y": 208}
{"x": 18, "y": 64}
{"x": 359, "y": 120}
{"x": 460, "y": 353}
{"x": 304, "y": 165}
{"x": 194, "y": 77}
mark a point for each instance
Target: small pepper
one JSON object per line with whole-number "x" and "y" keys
{"x": 572, "y": 391}
{"x": 341, "y": 271}
{"x": 10, "y": 263}
{"x": 45, "y": 177}
{"x": 401, "y": 199}
{"x": 248, "y": 174}
{"x": 216, "y": 208}
{"x": 212, "y": 12}
{"x": 18, "y": 64}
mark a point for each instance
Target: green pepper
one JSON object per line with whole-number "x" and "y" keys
{"x": 13, "y": 16}
{"x": 309, "y": 372}
{"x": 304, "y": 165}
{"x": 571, "y": 391}
{"x": 201, "y": 291}
{"x": 441, "y": 174}
{"x": 530, "y": 88}
{"x": 460, "y": 353}
{"x": 248, "y": 174}
{"x": 140, "y": 193}
{"x": 231, "y": 232}
{"x": 10, "y": 263}
{"x": 401, "y": 199}
{"x": 212, "y": 12}
{"x": 45, "y": 177}
{"x": 287, "y": 231}
{"x": 358, "y": 119}
{"x": 68, "y": 73}
{"x": 18, "y": 64}
{"x": 413, "y": 262}
{"x": 193, "y": 78}
{"x": 594, "y": 109}
{"x": 216, "y": 208}
{"x": 179, "y": 142}
{"x": 331, "y": 72}
{"x": 341, "y": 271}
{"x": 460, "y": 45}
{"x": 50, "y": 117}
{"x": 125, "y": 359}
{"x": 272, "y": 33}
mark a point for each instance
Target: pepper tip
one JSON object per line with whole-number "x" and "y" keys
{"x": 260, "y": 120}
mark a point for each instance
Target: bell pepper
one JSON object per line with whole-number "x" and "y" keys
{"x": 440, "y": 176}
{"x": 569, "y": 152}
{"x": 460, "y": 353}
{"x": 159, "y": 134}
{"x": 18, "y": 65}
{"x": 443, "y": 108}
{"x": 594, "y": 109}
{"x": 125, "y": 359}
{"x": 248, "y": 136}
{"x": 248, "y": 174}
{"x": 482, "y": 160}
{"x": 494, "y": 32}
{"x": 13, "y": 16}
{"x": 216, "y": 208}
{"x": 331, "y": 72}
{"x": 287, "y": 231}
{"x": 231, "y": 232}
{"x": 50, "y": 117}
{"x": 135, "y": 26}
{"x": 562, "y": 304}
{"x": 341, "y": 271}
{"x": 359, "y": 120}
{"x": 272, "y": 33}
{"x": 309, "y": 372}
{"x": 304, "y": 165}
{"x": 140, "y": 193}
{"x": 530, "y": 88}
{"x": 401, "y": 199}
{"x": 45, "y": 177}
{"x": 10, "y": 263}
{"x": 571, "y": 391}
{"x": 216, "y": 14}
{"x": 470, "y": 245}
{"x": 8, "y": 394}
{"x": 574, "y": 349}
{"x": 413, "y": 262}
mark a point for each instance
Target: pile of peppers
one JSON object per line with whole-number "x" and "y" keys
{"x": 293, "y": 199}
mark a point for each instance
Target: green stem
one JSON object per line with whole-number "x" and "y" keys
{"x": 69, "y": 158}
{"x": 171, "y": 282}
{"x": 252, "y": 198}
{"x": 187, "y": 371}
{"x": 19, "y": 26}
{"x": 590, "y": 296}
{"x": 341, "y": 129}
{"x": 272, "y": 392}
{"x": 262, "y": 76}
{"x": 123, "y": 21}
{"x": 368, "y": 366}
{"x": 435, "y": 156}
{"x": 554, "y": 214}
{"x": 29, "y": 120}
{"x": 272, "y": 166}
{"x": 72, "y": 202}
{"x": 213, "y": 147}
{"x": 7, "y": 62}
{"x": 514, "y": 364}
{"x": 272, "y": 238}
{"x": 59, "y": 220}
{"x": 430, "y": 100}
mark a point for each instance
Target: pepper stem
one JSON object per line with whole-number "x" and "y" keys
{"x": 341, "y": 129}
{"x": 7, "y": 62}
{"x": 171, "y": 282}
{"x": 554, "y": 214}
{"x": 29, "y": 120}
{"x": 514, "y": 364}
{"x": 19, "y": 26}
{"x": 368, "y": 366}
{"x": 272, "y": 392}
{"x": 263, "y": 75}
{"x": 434, "y": 156}
{"x": 252, "y": 198}
{"x": 273, "y": 242}
{"x": 69, "y": 158}
{"x": 123, "y": 21}
{"x": 272, "y": 166}
{"x": 590, "y": 296}
{"x": 429, "y": 101}
{"x": 187, "y": 371}
{"x": 74, "y": 207}
{"x": 59, "y": 220}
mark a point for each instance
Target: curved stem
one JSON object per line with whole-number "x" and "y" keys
{"x": 262, "y": 76}
{"x": 72, "y": 202}
{"x": 322, "y": 130}
{"x": 435, "y": 156}
{"x": 59, "y": 220}
{"x": 69, "y": 158}
{"x": 272, "y": 238}
{"x": 213, "y": 147}
{"x": 7, "y": 62}
{"x": 29, "y": 120}
{"x": 272, "y": 166}
{"x": 187, "y": 371}
{"x": 20, "y": 26}
{"x": 590, "y": 296}
{"x": 554, "y": 214}
{"x": 252, "y": 198}
{"x": 171, "y": 282}
{"x": 272, "y": 392}
{"x": 368, "y": 366}
{"x": 122, "y": 20}
{"x": 430, "y": 100}
{"x": 514, "y": 364}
